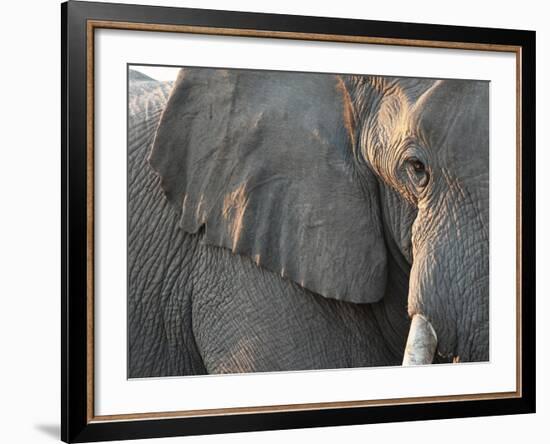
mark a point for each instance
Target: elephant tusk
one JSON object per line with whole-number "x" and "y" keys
{"x": 421, "y": 342}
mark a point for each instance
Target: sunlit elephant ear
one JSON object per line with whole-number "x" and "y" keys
{"x": 264, "y": 161}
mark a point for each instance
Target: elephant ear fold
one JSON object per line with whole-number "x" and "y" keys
{"x": 264, "y": 162}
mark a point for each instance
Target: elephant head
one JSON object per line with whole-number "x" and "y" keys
{"x": 320, "y": 177}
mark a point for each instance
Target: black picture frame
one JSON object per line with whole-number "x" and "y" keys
{"x": 77, "y": 424}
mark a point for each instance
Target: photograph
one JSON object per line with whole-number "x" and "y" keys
{"x": 274, "y": 222}
{"x": 289, "y": 221}
{"x": 292, "y": 221}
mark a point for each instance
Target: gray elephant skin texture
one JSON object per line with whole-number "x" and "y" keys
{"x": 283, "y": 221}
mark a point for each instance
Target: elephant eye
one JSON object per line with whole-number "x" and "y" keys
{"x": 418, "y": 172}
{"x": 418, "y": 166}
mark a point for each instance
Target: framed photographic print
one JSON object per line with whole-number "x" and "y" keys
{"x": 276, "y": 221}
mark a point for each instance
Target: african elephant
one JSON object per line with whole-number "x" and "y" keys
{"x": 293, "y": 221}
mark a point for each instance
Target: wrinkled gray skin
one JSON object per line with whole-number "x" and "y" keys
{"x": 285, "y": 221}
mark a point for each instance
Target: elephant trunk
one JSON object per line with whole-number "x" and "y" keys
{"x": 421, "y": 342}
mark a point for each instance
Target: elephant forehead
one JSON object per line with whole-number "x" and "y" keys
{"x": 453, "y": 123}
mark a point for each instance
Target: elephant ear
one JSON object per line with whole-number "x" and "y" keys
{"x": 264, "y": 161}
